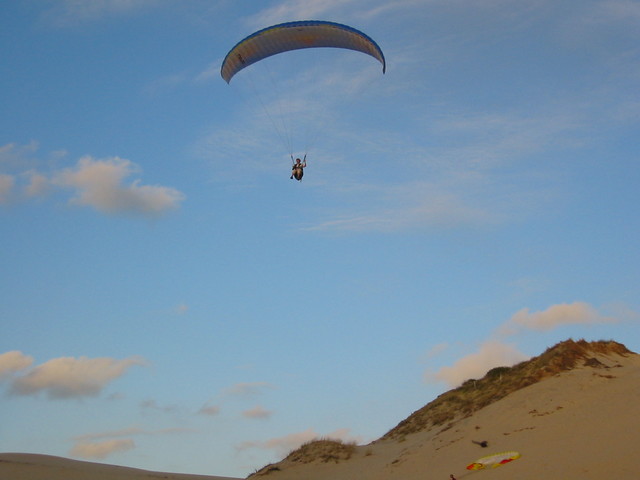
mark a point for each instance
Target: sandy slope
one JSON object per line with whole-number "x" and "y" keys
{"x": 22, "y": 466}
{"x": 582, "y": 424}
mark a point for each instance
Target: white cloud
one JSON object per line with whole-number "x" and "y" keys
{"x": 491, "y": 354}
{"x": 69, "y": 377}
{"x": 577, "y": 313}
{"x": 99, "y": 184}
{"x": 14, "y": 361}
{"x": 103, "y": 449}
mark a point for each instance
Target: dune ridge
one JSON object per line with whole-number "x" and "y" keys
{"x": 571, "y": 412}
{"x": 577, "y": 398}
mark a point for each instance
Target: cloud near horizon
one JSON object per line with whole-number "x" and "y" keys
{"x": 576, "y": 313}
{"x": 67, "y": 377}
{"x": 129, "y": 432}
{"x": 103, "y": 444}
{"x": 103, "y": 449}
{"x": 496, "y": 353}
{"x": 490, "y": 355}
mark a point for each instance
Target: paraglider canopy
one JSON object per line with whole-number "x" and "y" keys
{"x": 289, "y": 36}
{"x": 493, "y": 461}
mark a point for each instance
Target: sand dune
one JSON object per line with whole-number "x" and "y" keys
{"x": 23, "y": 466}
{"x": 578, "y": 418}
{"x": 581, "y": 423}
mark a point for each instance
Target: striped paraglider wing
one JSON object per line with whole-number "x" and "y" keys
{"x": 289, "y": 36}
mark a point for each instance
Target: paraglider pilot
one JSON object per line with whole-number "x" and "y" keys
{"x": 297, "y": 169}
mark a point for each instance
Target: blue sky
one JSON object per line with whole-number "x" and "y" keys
{"x": 171, "y": 300}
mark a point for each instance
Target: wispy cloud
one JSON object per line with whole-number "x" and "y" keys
{"x": 257, "y": 412}
{"x": 239, "y": 392}
{"x": 613, "y": 12}
{"x": 409, "y": 206}
{"x": 166, "y": 84}
{"x": 248, "y": 388}
{"x": 461, "y": 182}
{"x": 435, "y": 351}
{"x": 442, "y": 148}
{"x": 14, "y": 156}
{"x": 153, "y": 405}
{"x": 289, "y": 10}
{"x": 351, "y": 10}
{"x": 461, "y": 178}
{"x": 129, "y": 432}
{"x": 210, "y": 410}
{"x": 72, "y": 12}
